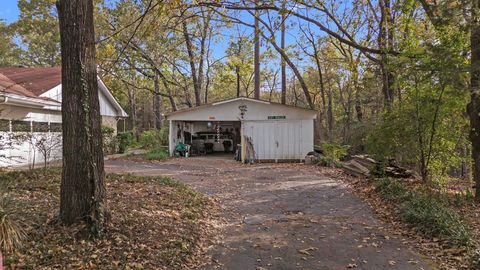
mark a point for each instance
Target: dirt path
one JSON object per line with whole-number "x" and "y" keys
{"x": 279, "y": 216}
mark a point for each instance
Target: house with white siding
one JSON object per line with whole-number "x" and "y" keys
{"x": 30, "y": 114}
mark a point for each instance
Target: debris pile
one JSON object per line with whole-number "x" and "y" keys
{"x": 365, "y": 166}
{"x": 311, "y": 157}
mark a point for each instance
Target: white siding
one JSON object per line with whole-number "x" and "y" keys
{"x": 54, "y": 93}
{"x": 23, "y": 151}
{"x": 106, "y": 107}
{"x": 280, "y": 140}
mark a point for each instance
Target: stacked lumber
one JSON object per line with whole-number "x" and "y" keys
{"x": 365, "y": 166}
{"x": 355, "y": 168}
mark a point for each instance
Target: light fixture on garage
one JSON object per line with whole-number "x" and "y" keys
{"x": 209, "y": 124}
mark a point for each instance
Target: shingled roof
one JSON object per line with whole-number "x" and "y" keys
{"x": 34, "y": 81}
{"x": 9, "y": 86}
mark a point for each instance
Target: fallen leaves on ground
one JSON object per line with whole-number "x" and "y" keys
{"x": 155, "y": 223}
{"x": 443, "y": 255}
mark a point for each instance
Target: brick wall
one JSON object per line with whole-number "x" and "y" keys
{"x": 110, "y": 121}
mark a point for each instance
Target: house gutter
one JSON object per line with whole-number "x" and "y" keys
{"x": 27, "y": 102}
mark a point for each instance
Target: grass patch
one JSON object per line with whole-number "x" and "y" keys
{"x": 11, "y": 232}
{"x": 427, "y": 213}
{"x": 157, "y": 154}
{"x": 156, "y": 223}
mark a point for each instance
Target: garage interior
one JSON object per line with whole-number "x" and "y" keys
{"x": 208, "y": 137}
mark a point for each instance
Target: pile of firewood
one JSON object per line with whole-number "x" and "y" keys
{"x": 365, "y": 166}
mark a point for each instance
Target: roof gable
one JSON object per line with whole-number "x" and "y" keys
{"x": 230, "y": 110}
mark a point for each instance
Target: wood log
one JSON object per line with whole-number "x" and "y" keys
{"x": 366, "y": 161}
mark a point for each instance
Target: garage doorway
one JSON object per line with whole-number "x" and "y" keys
{"x": 206, "y": 138}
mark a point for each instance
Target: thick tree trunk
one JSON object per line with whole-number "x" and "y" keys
{"x": 474, "y": 105}
{"x": 283, "y": 64}
{"x": 157, "y": 103}
{"x": 82, "y": 196}
{"x": 256, "y": 59}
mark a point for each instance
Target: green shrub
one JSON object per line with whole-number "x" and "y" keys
{"x": 427, "y": 213}
{"x": 335, "y": 151}
{"x": 326, "y": 162}
{"x": 107, "y": 131}
{"x": 392, "y": 191}
{"x": 124, "y": 139}
{"x": 428, "y": 216}
{"x": 163, "y": 135}
{"x": 109, "y": 140}
{"x": 150, "y": 139}
{"x": 416, "y": 132}
{"x": 156, "y": 154}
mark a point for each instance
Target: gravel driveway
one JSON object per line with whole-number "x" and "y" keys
{"x": 282, "y": 216}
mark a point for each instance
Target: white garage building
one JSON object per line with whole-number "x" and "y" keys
{"x": 265, "y": 131}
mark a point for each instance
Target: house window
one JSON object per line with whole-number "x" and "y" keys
{"x": 21, "y": 126}
{"x": 40, "y": 126}
{"x": 56, "y": 127}
{"x": 4, "y": 125}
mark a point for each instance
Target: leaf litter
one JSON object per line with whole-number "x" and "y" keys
{"x": 155, "y": 223}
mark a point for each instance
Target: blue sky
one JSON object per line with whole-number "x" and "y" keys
{"x": 9, "y": 10}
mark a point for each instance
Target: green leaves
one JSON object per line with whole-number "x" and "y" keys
{"x": 37, "y": 28}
